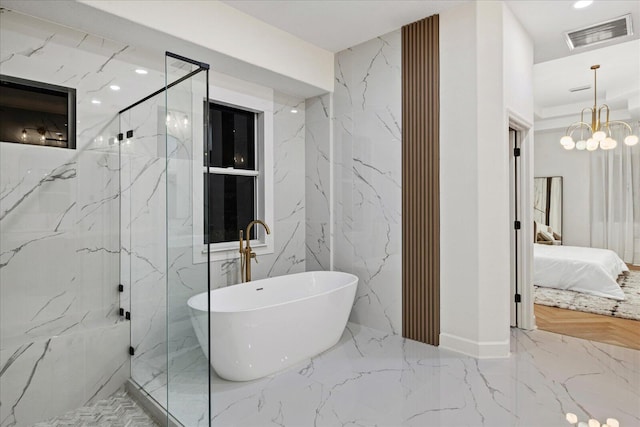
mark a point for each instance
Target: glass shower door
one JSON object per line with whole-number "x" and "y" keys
{"x": 143, "y": 240}
{"x": 187, "y": 255}
{"x": 163, "y": 258}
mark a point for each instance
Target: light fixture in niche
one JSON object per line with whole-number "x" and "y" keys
{"x": 36, "y": 113}
{"x": 141, "y": 71}
{"x": 96, "y": 101}
{"x": 114, "y": 87}
{"x": 294, "y": 111}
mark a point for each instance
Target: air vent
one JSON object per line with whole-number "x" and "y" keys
{"x": 600, "y": 33}
{"x": 579, "y": 88}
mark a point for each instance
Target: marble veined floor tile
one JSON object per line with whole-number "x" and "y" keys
{"x": 374, "y": 378}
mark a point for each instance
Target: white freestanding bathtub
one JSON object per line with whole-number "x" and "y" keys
{"x": 261, "y": 327}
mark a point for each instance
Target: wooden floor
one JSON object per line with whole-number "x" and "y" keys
{"x": 594, "y": 327}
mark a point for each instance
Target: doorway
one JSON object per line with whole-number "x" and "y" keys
{"x": 516, "y": 221}
{"x": 521, "y": 220}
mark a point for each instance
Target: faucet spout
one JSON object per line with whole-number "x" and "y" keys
{"x": 246, "y": 252}
{"x": 251, "y": 224}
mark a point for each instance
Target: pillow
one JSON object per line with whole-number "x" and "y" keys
{"x": 545, "y": 235}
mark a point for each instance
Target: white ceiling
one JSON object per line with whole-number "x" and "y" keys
{"x": 547, "y": 21}
{"x": 618, "y": 82}
{"x": 337, "y": 25}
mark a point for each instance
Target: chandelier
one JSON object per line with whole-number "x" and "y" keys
{"x": 598, "y": 132}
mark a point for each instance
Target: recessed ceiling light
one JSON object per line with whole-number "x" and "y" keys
{"x": 141, "y": 71}
{"x": 294, "y": 111}
{"x": 114, "y": 87}
{"x": 582, "y": 4}
{"x": 95, "y": 101}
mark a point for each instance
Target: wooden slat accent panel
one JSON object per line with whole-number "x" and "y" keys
{"x": 420, "y": 181}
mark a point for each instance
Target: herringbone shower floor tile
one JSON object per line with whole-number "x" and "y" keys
{"x": 117, "y": 411}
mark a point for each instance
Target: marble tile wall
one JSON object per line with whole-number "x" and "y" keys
{"x": 317, "y": 182}
{"x": 62, "y": 342}
{"x": 367, "y": 178}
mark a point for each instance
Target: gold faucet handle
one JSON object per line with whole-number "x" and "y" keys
{"x": 253, "y": 255}
{"x": 241, "y": 241}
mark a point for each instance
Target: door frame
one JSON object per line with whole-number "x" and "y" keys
{"x": 524, "y": 131}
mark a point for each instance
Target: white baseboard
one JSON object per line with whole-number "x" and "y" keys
{"x": 477, "y": 349}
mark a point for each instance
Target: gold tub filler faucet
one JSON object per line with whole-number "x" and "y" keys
{"x": 246, "y": 253}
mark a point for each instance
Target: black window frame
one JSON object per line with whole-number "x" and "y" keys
{"x": 229, "y": 171}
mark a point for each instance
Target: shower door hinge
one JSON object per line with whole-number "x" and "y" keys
{"x": 516, "y": 225}
{"x": 120, "y": 288}
{"x": 127, "y": 315}
{"x": 120, "y": 137}
{"x": 516, "y": 152}
{"x": 129, "y": 134}
{"x": 518, "y": 298}
{"x": 131, "y": 351}
{"x": 121, "y": 311}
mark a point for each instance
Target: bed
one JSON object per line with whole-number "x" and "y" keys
{"x": 588, "y": 270}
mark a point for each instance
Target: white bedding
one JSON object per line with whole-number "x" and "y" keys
{"x": 588, "y": 270}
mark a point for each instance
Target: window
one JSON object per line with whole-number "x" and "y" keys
{"x": 240, "y": 178}
{"x": 233, "y": 173}
{"x": 37, "y": 113}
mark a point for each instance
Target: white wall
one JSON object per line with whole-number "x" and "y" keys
{"x": 458, "y": 171}
{"x": 574, "y": 167}
{"x": 518, "y": 75}
{"x": 479, "y": 85}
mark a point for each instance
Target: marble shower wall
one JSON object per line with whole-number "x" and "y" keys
{"x": 367, "y": 178}
{"x": 62, "y": 343}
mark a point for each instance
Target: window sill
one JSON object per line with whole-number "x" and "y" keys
{"x": 230, "y": 250}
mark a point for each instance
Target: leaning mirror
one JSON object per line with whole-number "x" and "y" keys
{"x": 547, "y": 210}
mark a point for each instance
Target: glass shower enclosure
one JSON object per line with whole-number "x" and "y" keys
{"x": 163, "y": 258}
